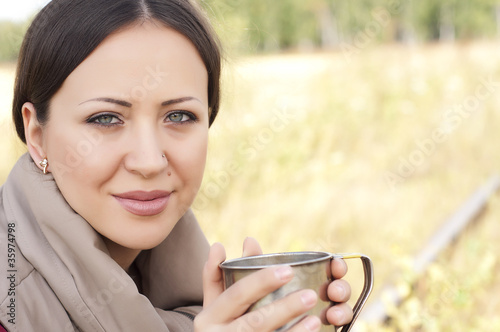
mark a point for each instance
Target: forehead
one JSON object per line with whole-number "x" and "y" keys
{"x": 139, "y": 56}
{"x": 150, "y": 40}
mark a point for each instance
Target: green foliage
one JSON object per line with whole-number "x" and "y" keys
{"x": 263, "y": 25}
{"x": 468, "y": 19}
{"x": 11, "y": 37}
{"x": 253, "y": 26}
{"x": 257, "y": 26}
{"x": 475, "y": 20}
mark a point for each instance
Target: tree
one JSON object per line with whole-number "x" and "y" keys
{"x": 11, "y": 37}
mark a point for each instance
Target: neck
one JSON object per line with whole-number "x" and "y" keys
{"x": 121, "y": 255}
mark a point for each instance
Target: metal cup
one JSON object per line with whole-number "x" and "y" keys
{"x": 311, "y": 271}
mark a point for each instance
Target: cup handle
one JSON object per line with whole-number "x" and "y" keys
{"x": 367, "y": 287}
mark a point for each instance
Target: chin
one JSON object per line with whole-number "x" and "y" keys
{"x": 141, "y": 234}
{"x": 143, "y": 241}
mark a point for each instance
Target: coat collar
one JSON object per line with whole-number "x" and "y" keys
{"x": 73, "y": 259}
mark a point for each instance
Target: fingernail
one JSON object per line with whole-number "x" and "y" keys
{"x": 312, "y": 323}
{"x": 284, "y": 273}
{"x": 309, "y": 297}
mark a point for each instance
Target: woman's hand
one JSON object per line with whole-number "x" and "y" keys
{"x": 339, "y": 291}
{"x": 225, "y": 310}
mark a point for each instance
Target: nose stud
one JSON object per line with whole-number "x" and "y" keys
{"x": 163, "y": 156}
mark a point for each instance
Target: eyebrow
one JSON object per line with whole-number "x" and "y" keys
{"x": 110, "y": 100}
{"x": 178, "y": 101}
{"x": 127, "y": 104}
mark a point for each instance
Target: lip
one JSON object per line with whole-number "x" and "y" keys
{"x": 144, "y": 203}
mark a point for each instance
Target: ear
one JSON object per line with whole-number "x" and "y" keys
{"x": 34, "y": 134}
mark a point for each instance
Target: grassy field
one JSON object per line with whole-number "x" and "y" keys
{"x": 368, "y": 153}
{"x": 10, "y": 146}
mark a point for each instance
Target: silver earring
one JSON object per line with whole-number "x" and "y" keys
{"x": 44, "y": 163}
{"x": 163, "y": 156}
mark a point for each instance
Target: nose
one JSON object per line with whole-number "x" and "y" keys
{"x": 146, "y": 156}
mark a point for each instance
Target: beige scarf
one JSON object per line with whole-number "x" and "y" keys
{"x": 73, "y": 260}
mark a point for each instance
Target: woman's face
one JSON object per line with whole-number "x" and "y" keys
{"x": 140, "y": 95}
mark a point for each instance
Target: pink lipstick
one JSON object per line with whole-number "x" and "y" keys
{"x": 144, "y": 203}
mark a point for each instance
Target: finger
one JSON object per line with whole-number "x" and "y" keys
{"x": 251, "y": 247}
{"x": 339, "y": 314}
{"x": 339, "y": 268}
{"x": 279, "y": 313}
{"x": 339, "y": 291}
{"x": 236, "y": 300}
{"x": 309, "y": 324}
{"x": 212, "y": 275}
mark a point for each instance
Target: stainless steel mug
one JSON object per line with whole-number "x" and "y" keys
{"x": 311, "y": 271}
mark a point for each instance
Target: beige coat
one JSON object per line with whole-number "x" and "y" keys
{"x": 56, "y": 273}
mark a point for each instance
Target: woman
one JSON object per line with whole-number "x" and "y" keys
{"x": 114, "y": 99}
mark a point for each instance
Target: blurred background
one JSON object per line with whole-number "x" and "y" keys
{"x": 352, "y": 126}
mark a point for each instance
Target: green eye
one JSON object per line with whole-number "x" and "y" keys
{"x": 181, "y": 117}
{"x": 105, "y": 119}
{"x": 177, "y": 117}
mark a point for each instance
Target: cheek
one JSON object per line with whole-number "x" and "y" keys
{"x": 189, "y": 160}
{"x": 81, "y": 158}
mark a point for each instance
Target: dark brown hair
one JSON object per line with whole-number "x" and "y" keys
{"x": 65, "y": 32}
